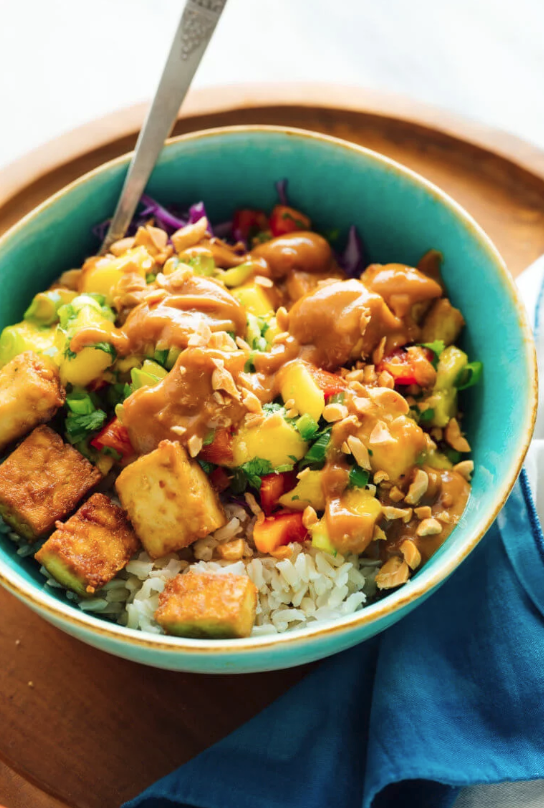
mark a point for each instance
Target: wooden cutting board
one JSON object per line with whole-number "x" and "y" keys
{"x": 78, "y": 728}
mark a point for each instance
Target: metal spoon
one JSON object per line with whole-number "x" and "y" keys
{"x": 194, "y": 32}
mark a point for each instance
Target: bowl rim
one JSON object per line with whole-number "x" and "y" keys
{"x": 67, "y": 614}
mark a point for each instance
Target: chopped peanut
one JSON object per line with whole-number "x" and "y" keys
{"x": 379, "y": 535}
{"x": 381, "y": 477}
{"x": 423, "y": 512}
{"x": 334, "y": 412}
{"x": 391, "y": 513}
{"x": 194, "y": 444}
{"x": 231, "y": 550}
{"x": 396, "y": 494}
{"x": 393, "y": 573}
{"x": 380, "y": 435}
{"x": 190, "y": 235}
{"x": 411, "y": 554}
{"x": 309, "y": 517}
{"x": 418, "y": 487}
{"x": 386, "y": 380}
{"x": 429, "y": 527}
{"x": 377, "y": 355}
{"x": 455, "y": 437}
{"x": 464, "y": 468}
{"x": 359, "y": 452}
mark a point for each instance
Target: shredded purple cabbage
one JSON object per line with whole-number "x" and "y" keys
{"x": 281, "y": 188}
{"x": 223, "y": 230}
{"x": 352, "y": 260}
{"x": 163, "y": 217}
{"x": 237, "y": 500}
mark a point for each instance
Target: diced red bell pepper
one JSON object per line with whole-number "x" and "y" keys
{"x": 330, "y": 383}
{"x": 247, "y": 223}
{"x": 275, "y": 531}
{"x": 219, "y": 451}
{"x": 114, "y": 436}
{"x": 273, "y": 486}
{"x": 402, "y": 366}
{"x": 286, "y": 220}
{"x": 220, "y": 479}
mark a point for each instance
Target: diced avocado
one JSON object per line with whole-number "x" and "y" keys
{"x": 451, "y": 363}
{"x": 320, "y": 538}
{"x": 443, "y": 322}
{"x": 27, "y": 336}
{"x": 148, "y": 375}
{"x": 444, "y": 406}
{"x": 236, "y": 276}
{"x": 89, "y": 549}
{"x": 45, "y": 305}
{"x": 169, "y": 499}
{"x": 208, "y": 605}
{"x": 437, "y": 460}
{"x": 42, "y": 481}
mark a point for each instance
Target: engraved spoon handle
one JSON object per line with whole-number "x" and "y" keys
{"x": 192, "y": 37}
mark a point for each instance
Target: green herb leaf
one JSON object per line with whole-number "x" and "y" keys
{"x": 205, "y": 466}
{"x": 78, "y": 427}
{"x": 108, "y": 450}
{"x": 107, "y": 347}
{"x": 358, "y": 477}
{"x": 436, "y": 347}
{"x": 255, "y": 469}
{"x": 315, "y": 456}
{"x": 68, "y": 353}
{"x": 209, "y": 438}
{"x": 469, "y": 376}
{"x": 426, "y": 415}
{"x": 249, "y": 366}
{"x": 453, "y": 456}
{"x": 150, "y": 277}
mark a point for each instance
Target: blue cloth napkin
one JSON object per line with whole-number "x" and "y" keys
{"x": 453, "y": 695}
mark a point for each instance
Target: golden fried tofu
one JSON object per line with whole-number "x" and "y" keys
{"x": 208, "y": 605}
{"x": 442, "y": 322}
{"x": 169, "y": 499}
{"x": 42, "y": 481}
{"x": 30, "y": 393}
{"x": 89, "y": 549}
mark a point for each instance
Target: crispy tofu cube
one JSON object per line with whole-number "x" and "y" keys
{"x": 169, "y": 499}
{"x": 89, "y": 549}
{"x": 42, "y": 481}
{"x": 442, "y": 322}
{"x": 208, "y": 605}
{"x": 30, "y": 393}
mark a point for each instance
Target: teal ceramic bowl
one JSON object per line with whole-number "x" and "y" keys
{"x": 401, "y": 216}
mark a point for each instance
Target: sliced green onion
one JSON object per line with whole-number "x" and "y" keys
{"x": 469, "y": 376}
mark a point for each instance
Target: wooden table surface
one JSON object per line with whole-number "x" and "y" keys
{"x": 79, "y": 728}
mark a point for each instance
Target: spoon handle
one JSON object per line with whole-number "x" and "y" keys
{"x": 192, "y": 37}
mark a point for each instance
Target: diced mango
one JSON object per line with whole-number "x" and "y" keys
{"x": 397, "y": 454}
{"x": 274, "y": 439}
{"x": 102, "y": 275}
{"x": 298, "y": 384}
{"x": 308, "y": 491}
{"x": 88, "y": 365}
{"x": 321, "y": 539}
{"x": 254, "y": 299}
{"x": 351, "y": 520}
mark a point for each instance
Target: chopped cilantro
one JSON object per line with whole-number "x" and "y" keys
{"x": 358, "y": 477}
{"x": 107, "y": 347}
{"x": 117, "y": 393}
{"x": 68, "y": 353}
{"x": 426, "y": 415}
{"x": 436, "y": 347}
{"x": 109, "y": 450}
{"x": 315, "y": 456}
{"x": 293, "y": 458}
{"x": 255, "y": 469}
{"x": 150, "y": 277}
{"x": 294, "y": 499}
{"x": 469, "y": 376}
{"x": 79, "y": 426}
{"x": 249, "y": 366}
{"x": 209, "y": 438}
{"x": 273, "y": 406}
{"x": 299, "y": 223}
{"x": 453, "y": 456}
{"x": 205, "y": 466}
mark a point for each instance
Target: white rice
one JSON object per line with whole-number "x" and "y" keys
{"x": 308, "y": 587}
